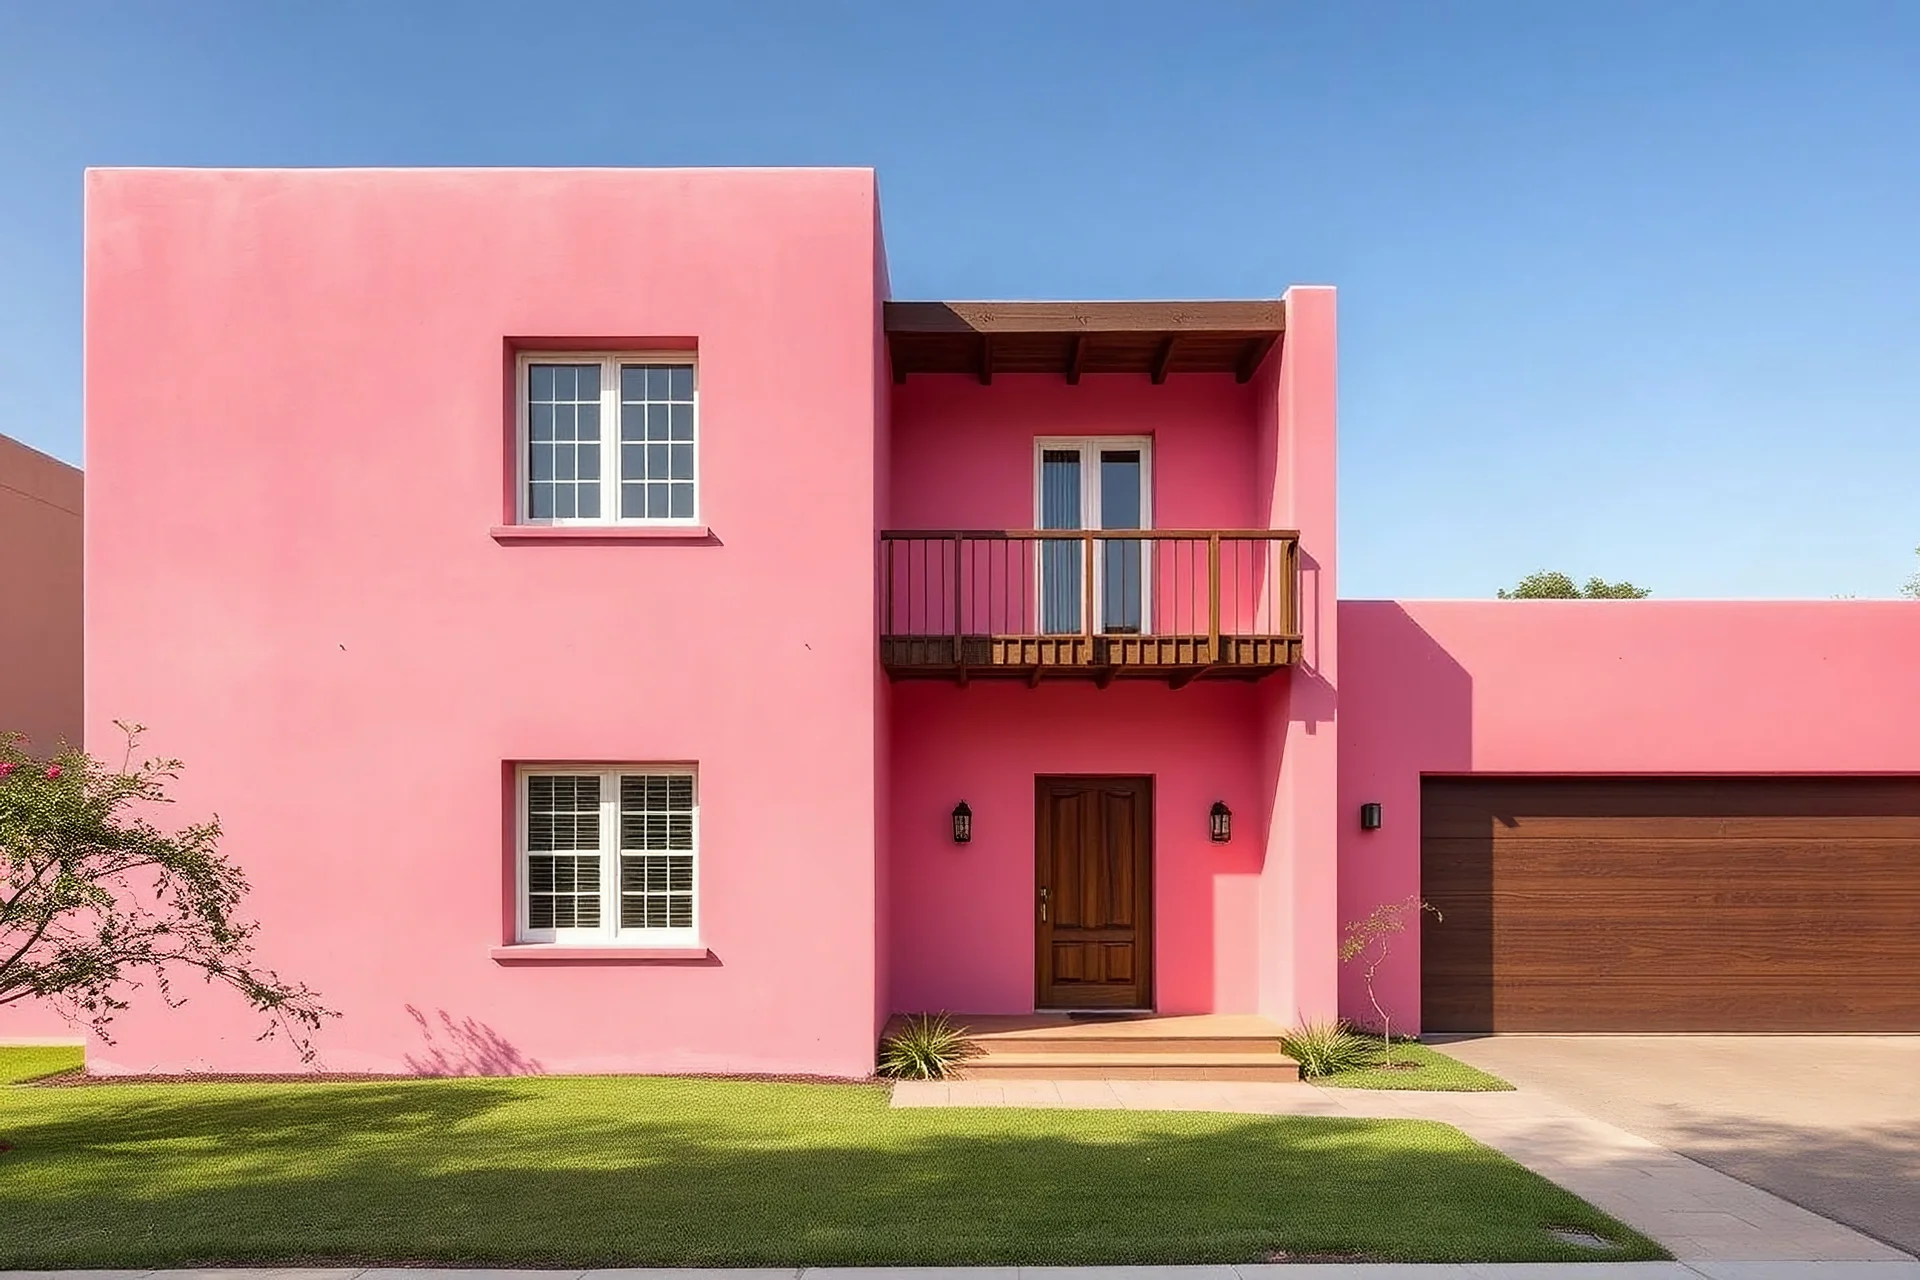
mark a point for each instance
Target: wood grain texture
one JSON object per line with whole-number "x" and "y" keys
{"x": 1093, "y": 881}
{"x": 1671, "y": 905}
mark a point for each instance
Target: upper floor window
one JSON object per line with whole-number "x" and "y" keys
{"x": 607, "y": 439}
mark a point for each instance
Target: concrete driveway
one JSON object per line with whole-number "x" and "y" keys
{"x": 1831, "y": 1123}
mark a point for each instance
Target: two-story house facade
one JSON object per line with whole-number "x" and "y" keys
{"x": 616, "y": 634}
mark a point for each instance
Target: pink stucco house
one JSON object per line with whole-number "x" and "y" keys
{"x": 618, "y": 635}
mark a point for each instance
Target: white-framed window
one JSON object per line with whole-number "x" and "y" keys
{"x": 608, "y": 854}
{"x": 607, "y": 438}
{"x": 1094, "y": 482}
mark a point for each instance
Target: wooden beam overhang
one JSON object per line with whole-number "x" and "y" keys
{"x": 1161, "y": 359}
{"x": 1071, "y": 339}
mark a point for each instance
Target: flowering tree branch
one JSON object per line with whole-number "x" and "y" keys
{"x": 95, "y": 900}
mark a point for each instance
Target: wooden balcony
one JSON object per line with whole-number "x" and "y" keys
{"x": 1175, "y": 605}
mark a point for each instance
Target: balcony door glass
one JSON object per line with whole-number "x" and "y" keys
{"x": 1061, "y": 563}
{"x": 1094, "y": 484}
{"x": 1121, "y": 582}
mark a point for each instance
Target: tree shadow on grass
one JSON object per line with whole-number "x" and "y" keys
{"x": 612, "y": 1172}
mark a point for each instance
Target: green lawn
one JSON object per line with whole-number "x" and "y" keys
{"x": 19, "y": 1064}
{"x": 656, "y": 1172}
{"x": 1432, "y": 1070}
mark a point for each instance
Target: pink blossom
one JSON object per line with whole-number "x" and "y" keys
{"x": 7, "y": 767}
{"x": 53, "y": 771}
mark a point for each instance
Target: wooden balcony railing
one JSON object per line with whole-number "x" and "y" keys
{"x": 1169, "y": 604}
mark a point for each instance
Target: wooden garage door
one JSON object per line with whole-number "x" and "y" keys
{"x": 1671, "y": 904}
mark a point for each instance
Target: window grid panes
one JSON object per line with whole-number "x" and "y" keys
{"x": 609, "y": 439}
{"x": 625, "y": 835}
{"x": 656, "y": 441}
{"x": 656, "y": 851}
{"x": 563, "y": 441}
{"x": 563, "y": 851}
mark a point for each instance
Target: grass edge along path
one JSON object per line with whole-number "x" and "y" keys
{"x": 637, "y": 1171}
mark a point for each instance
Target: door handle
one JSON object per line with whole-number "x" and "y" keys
{"x": 1043, "y": 904}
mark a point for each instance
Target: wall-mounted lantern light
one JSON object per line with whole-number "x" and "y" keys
{"x": 1221, "y": 822}
{"x": 1370, "y": 816}
{"x": 962, "y": 823}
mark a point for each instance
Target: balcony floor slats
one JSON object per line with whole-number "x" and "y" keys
{"x": 1158, "y": 657}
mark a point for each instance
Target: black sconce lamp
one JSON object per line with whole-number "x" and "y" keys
{"x": 962, "y": 823}
{"x": 1221, "y": 822}
{"x": 1370, "y": 816}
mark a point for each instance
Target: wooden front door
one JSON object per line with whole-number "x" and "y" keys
{"x": 1093, "y": 864}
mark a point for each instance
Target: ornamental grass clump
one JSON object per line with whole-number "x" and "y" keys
{"x": 96, "y": 901}
{"x": 927, "y": 1047}
{"x": 1328, "y": 1048}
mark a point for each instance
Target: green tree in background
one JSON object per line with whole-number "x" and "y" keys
{"x": 1546, "y": 585}
{"x": 1911, "y": 587}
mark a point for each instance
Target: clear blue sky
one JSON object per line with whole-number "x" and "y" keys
{"x": 1627, "y": 288}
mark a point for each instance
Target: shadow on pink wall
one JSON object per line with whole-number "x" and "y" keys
{"x": 465, "y": 1047}
{"x": 1393, "y": 731}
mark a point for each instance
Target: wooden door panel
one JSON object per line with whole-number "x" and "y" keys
{"x": 1712, "y": 904}
{"x": 1093, "y": 863}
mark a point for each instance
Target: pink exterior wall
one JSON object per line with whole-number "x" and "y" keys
{"x": 963, "y": 918}
{"x": 963, "y": 458}
{"x": 40, "y": 649}
{"x": 882, "y": 445}
{"x": 1601, "y": 687}
{"x": 1297, "y": 474}
{"x": 297, "y": 441}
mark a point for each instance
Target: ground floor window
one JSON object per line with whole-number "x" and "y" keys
{"x": 608, "y": 854}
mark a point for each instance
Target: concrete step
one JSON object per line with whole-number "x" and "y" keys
{"x": 1167, "y": 1065}
{"x": 1031, "y": 1043}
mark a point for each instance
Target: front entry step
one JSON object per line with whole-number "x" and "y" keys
{"x": 1158, "y": 1065}
{"x": 1058, "y": 1046}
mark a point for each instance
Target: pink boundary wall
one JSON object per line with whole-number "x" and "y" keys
{"x": 1633, "y": 687}
{"x": 297, "y": 420}
{"x": 40, "y": 633}
{"x": 40, "y": 625}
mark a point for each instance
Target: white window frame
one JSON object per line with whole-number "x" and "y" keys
{"x": 609, "y": 934}
{"x": 609, "y": 362}
{"x": 1090, "y": 449}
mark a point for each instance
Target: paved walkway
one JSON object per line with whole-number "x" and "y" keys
{"x": 1296, "y": 1271}
{"x": 1831, "y": 1123}
{"x": 1699, "y": 1214}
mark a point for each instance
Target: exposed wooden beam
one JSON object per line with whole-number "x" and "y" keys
{"x": 986, "y": 359}
{"x": 1161, "y": 359}
{"x": 1187, "y": 677}
{"x": 1033, "y": 678}
{"x": 1250, "y": 316}
{"x": 1075, "y": 354}
{"x": 1252, "y": 357}
{"x": 1103, "y": 677}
